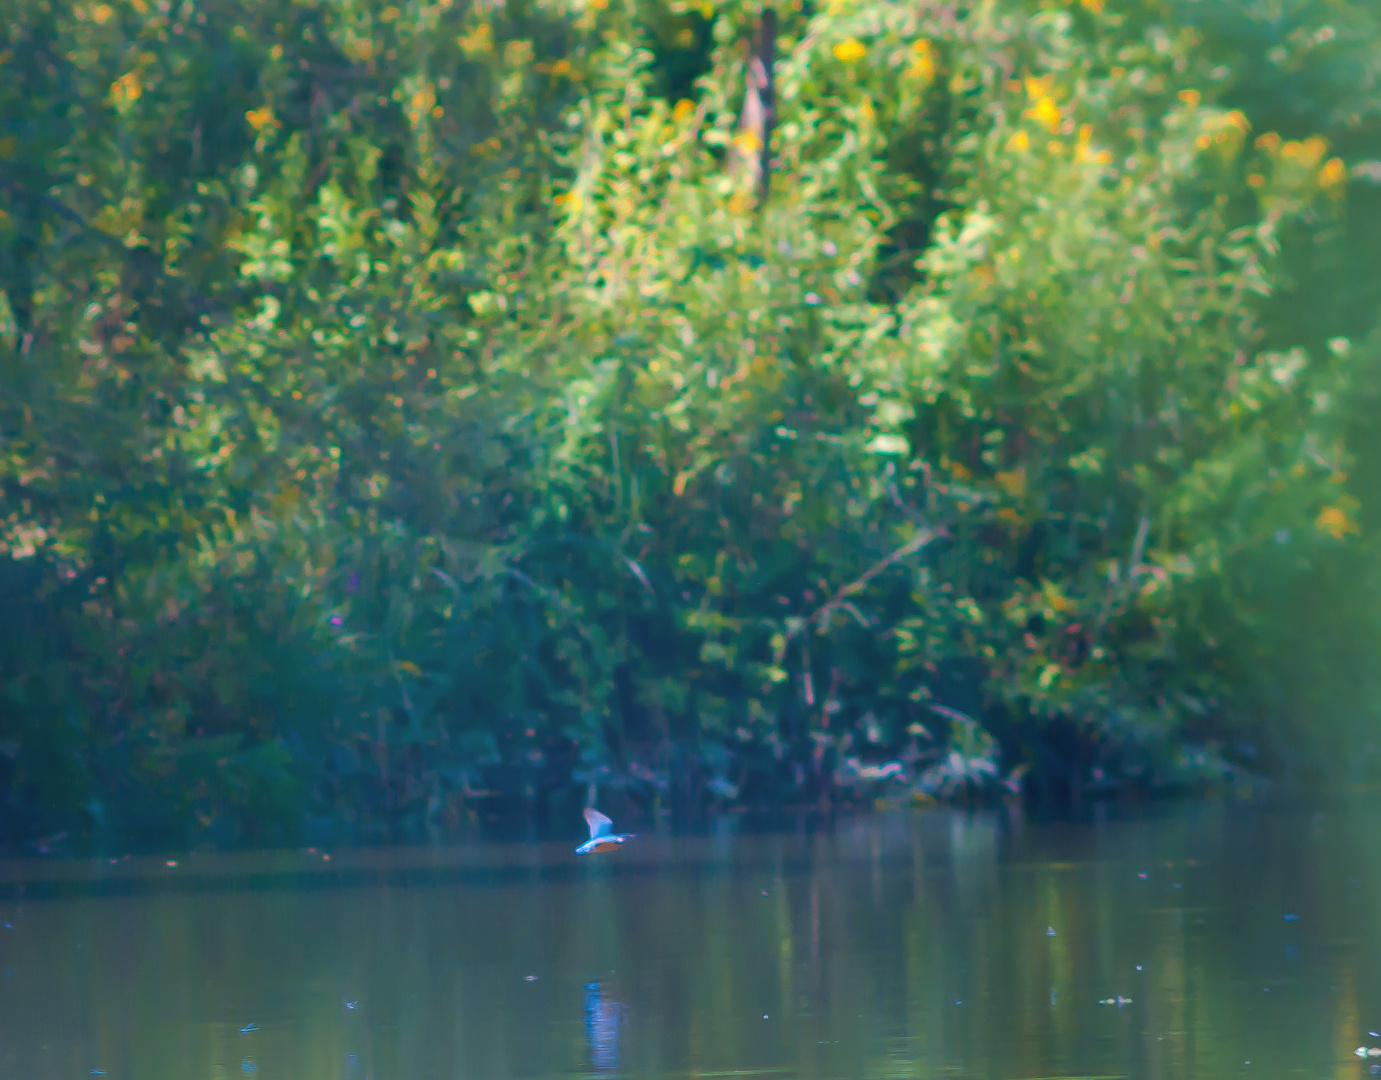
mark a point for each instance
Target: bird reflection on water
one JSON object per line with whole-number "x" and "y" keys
{"x": 602, "y": 1017}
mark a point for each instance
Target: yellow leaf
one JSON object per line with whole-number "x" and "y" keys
{"x": 127, "y": 89}
{"x": 1084, "y": 151}
{"x": 261, "y": 118}
{"x": 1312, "y": 150}
{"x": 1333, "y": 176}
{"x": 1019, "y": 143}
{"x": 1189, "y": 97}
{"x": 1334, "y": 520}
{"x": 1054, "y": 597}
{"x": 480, "y": 40}
{"x": 748, "y": 142}
{"x": 1045, "y": 112}
{"x": 1094, "y": 6}
{"x": 850, "y": 50}
{"x": 409, "y": 667}
{"x": 423, "y": 100}
{"x": 683, "y": 109}
{"x": 923, "y": 66}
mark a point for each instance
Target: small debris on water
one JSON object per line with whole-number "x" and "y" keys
{"x": 1138, "y": 967}
{"x": 1292, "y": 917}
{"x": 248, "y": 1028}
{"x": 171, "y": 862}
{"x": 530, "y": 978}
{"x": 352, "y": 1004}
{"x": 1143, "y": 875}
{"x": 9, "y": 926}
{"x": 764, "y": 1016}
{"x": 1177, "y": 885}
{"x": 1375, "y": 1034}
{"x": 1049, "y": 931}
{"x": 1119, "y": 1001}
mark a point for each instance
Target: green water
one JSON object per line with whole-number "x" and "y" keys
{"x": 891, "y": 946}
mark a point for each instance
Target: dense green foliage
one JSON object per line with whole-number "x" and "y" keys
{"x": 400, "y": 400}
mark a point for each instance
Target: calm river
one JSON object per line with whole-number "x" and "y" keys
{"x": 943, "y": 944}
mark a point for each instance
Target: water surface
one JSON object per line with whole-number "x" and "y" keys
{"x": 943, "y": 944}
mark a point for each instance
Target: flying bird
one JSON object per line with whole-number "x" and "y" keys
{"x": 602, "y": 835}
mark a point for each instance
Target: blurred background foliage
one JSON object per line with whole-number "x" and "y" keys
{"x": 409, "y": 412}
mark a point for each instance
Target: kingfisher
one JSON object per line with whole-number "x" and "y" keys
{"x": 602, "y": 835}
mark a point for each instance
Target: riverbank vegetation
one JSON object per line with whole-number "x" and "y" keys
{"x": 422, "y": 408}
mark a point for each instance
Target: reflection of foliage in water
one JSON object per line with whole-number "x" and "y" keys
{"x": 382, "y": 443}
{"x": 868, "y": 934}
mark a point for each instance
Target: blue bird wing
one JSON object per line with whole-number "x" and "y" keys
{"x": 599, "y": 824}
